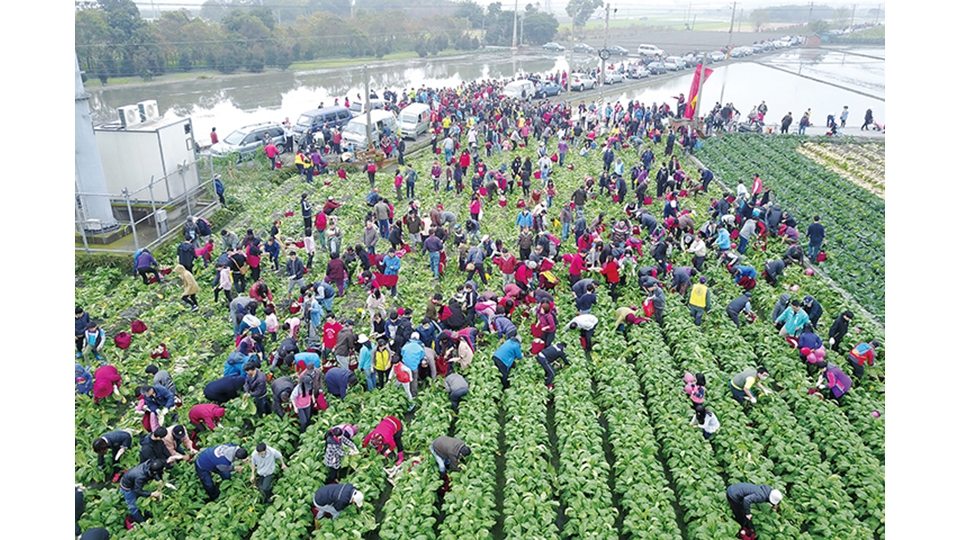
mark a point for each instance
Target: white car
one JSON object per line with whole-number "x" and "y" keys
{"x": 613, "y": 77}
{"x": 717, "y": 56}
{"x": 650, "y": 50}
{"x": 582, "y": 81}
{"x": 673, "y": 63}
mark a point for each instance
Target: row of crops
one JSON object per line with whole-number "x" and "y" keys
{"x": 853, "y": 216}
{"x": 608, "y": 454}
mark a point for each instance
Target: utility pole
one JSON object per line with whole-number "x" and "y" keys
{"x": 723, "y": 86}
{"x": 569, "y": 67}
{"x": 740, "y": 24}
{"x": 366, "y": 104}
{"x": 694, "y": 23}
{"x": 853, "y": 16}
{"x": 521, "y": 32}
{"x": 810, "y": 14}
{"x": 603, "y": 61}
{"x": 696, "y": 108}
{"x": 877, "y": 21}
{"x": 516, "y": 4}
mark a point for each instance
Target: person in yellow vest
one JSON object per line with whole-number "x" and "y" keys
{"x": 699, "y": 301}
{"x": 298, "y": 161}
{"x": 446, "y": 125}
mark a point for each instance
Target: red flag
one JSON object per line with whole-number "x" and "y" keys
{"x": 695, "y": 90}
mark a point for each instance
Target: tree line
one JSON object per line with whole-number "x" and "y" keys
{"x": 113, "y": 40}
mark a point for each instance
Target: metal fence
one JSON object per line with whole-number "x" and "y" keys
{"x": 146, "y": 219}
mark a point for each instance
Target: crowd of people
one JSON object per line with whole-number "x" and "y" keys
{"x": 293, "y": 352}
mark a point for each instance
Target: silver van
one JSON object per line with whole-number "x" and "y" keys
{"x": 355, "y": 132}
{"x": 248, "y": 140}
{"x": 414, "y": 120}
{"x": 356, "y": 107}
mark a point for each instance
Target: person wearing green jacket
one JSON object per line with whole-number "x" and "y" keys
{"x": 699, "y": 301}
{"x": 793, "y": 320}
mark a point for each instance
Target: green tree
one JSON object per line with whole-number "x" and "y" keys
{"x": 818, "y": 26}
{"x": 581, "y": 10}
{"x": 758, "y": 18}
{"x": 92, "y": 38}
{"x": 470, "y": 11}
{"x": 539, "y": 28}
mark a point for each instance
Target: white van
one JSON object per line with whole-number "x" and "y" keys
{"x": 520, "y": 89}
{"x": 414, "y": 120}
{"x": 356, "y": 130}
{"x": 650, "y": 50}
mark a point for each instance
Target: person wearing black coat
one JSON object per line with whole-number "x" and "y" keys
{"x": 838, "y": 330}
{"x": 133, "y": 481}
{"x": 814, "y": 310}
{"x": 335, "y": 498}
{"x": 224, "y": 389}
{"x": 456, "y": 320}
{"x": 662, "y": 176}
{"x": 281, "y": 388}
{"x": 741, "y": 496}
{"x": 186, "y": 255}
{"x": 774, "y": 269}
{"x": 80, "y": 505}
{"x": 152, "y": 447}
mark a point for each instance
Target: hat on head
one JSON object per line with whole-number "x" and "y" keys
{"x": 362, "y": 338}
{"x": 415, "y": 335}
{"x": 807, "y": 299}
{"x": 776, "y": 496}
{"x": 703, "y": 279}
{"x": 357, "y": 498}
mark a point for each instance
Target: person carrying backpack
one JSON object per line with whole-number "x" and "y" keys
{"x": 144, "y": 264}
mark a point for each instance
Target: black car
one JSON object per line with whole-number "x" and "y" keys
{"x": 618, "y": 50}
{"x": 584, "y": 48}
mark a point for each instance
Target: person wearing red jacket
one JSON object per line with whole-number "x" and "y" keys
{"x": 611, "y": 270}
{"x": 386, "y": 437}
{"x": 548, "y": 323}
{"x": 336, "y": 273}
{"x": 507, "y": 263}
{"x": 320, "y": 224}
{"x": 208, "y": 414}
{"x": 523, "y": 274}
{"x": 330, "y": 205}
{"x": 576, "y": 266}
{"x": 862, "y": 354}
{"x": 331, "y": 330}
{"x": 464, "y": 161}
{"x": 106, "y": 380}
{"x": 260, "y": 292}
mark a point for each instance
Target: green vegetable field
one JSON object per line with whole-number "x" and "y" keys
{"x": 608, "y": 454}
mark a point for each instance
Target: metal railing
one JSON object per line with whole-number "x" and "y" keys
{"x": 152, "y": 227}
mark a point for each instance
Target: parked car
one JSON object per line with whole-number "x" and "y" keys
{"x": 248, "y": 140}
{"x": 356, "y": 107}
{"x": 692, "y": 59}
{"x": 613, "y": 77}
{"x": 717, "y": 56}
{"x": 520, "y": 89}
{"x": 546, "y": 89}
{"x": 582, "y": 81}
{"x": 672, "y": 63}
{"x": 656, "y": 67}
{"x": 552, "y": 46}
{"x": 638, "y": 73}
{"x": 584, "y": 48}
{"x": 650, "y": 50}
{"x": 617, "y": 50}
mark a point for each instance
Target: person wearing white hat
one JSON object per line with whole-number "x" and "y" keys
{"x": 335, "y": 498}
{"x": 741, "y": 496}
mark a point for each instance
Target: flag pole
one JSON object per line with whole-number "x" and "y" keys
{"x": 696, "y": 109}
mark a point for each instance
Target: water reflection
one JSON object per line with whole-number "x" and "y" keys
{"x": 232, "y": 102}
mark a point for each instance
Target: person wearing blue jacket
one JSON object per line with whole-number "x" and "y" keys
{"x": 338, "y": 381}
{"x": 115, "y": 443}
{"x": 157, "y": 399}
{"x": 218, "y": 459}
{"x": 743, "y": 272}
{"x": 391, "y": 267}
{"x": 365, "y": 362}
{"x": 235, "y": 361}
{"x": 83, "y": 379}
{"x": 504, "y": 358}
{"x": 503, "y": 325}
{"x": 524, "y": 218}
{"x": 723, "y": 239}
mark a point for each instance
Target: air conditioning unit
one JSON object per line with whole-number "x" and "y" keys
{"x": 148, "y": 110}
{"x": 129, "y": 115}
{"x": 93, "y": 226}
